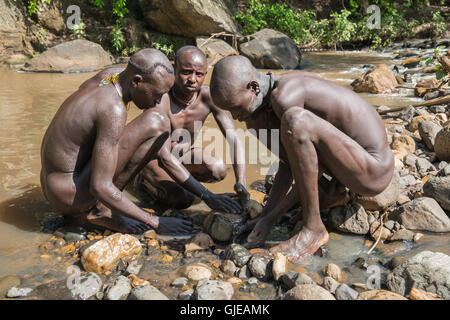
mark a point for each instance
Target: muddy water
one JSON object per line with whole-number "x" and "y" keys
{"x": 28, "y": 103}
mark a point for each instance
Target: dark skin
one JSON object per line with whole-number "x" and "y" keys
{"x": 89, "y": 154}
{"x": 190, "y": 101}
{"x": 323, "y": 126}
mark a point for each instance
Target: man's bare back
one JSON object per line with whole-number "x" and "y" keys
{"x": 83, "y": 171}
{"x": 323, "y": 126}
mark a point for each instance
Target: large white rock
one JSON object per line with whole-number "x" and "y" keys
{"x": 105, "y": 254}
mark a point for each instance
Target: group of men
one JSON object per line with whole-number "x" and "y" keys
{"x": 89, "y": 154}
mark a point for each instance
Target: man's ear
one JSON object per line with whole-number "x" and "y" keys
{"x": 254, "y": 86}
{"x": 136, "y": 79}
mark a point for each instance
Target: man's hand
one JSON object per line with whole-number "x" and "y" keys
{"x": 242, "y": 194}
{"x": 222, "y": 203}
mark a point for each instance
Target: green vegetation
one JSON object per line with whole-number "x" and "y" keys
{"x": 349, "y": 25}
{"x": 164, "y": 45}
{"x": 441, "y": 74}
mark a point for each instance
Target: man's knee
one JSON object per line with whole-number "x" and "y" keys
{"x": 297, "y": 123}
{"x": 218, "y": 170}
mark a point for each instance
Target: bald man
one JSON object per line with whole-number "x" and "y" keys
{"x": 190, "y": 102}
{"x": 323, "y": 127}
{"x": 89, "y": 155}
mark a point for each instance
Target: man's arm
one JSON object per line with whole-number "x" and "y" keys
{"x": 228, "y": 129}
{"x": 110, "y": 125}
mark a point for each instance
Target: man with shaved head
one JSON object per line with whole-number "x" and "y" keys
{"x": 324, "y": 127}
{"x": 190, "y": 102}
{"x": 89, "y": 155}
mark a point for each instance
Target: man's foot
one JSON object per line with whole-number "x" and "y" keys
{"x": 102, "y": 216}
{"x": 301, "y": 245}
{"x": 258, "y": 236}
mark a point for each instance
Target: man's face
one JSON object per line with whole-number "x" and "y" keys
{"x": 191, "y": 69}
{"x": 148, "y": 92}
{"x": 240, "y": 104}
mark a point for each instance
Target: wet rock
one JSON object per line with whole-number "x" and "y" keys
{"x": 71, "y": 56}
{"x": 379, "y": 295}
{"x": 411, "y": 62}
{"x": 442, "y": 144}
{"x": 416, "y": 294}
{"x": 260, "y": 266}
{"x": 15, "y": 292}
{"x": 376, "y": 229}
{"x": 351, "y": 218}
{"x": 334, "y": 271}
{"x": 244, "y": 273}
{"x": 219, "y": 226}
{"x": 186, "y": 295}
{"x": 214, "y": 49}
{"x": 395, "y": 262}
{"x": 308, "y": 292}
{"x": 410, "y": 160}
{"x": 228, "y": 267}
{"x": 425, "y": 86}
{"x": 424, "y": 166}
{"x": 189, "y": 18}
{"x": 104, "y": 255}
{"x": 422, "y": 214}
{"x": 279, "y": 266}
{"x": 147, "y": 292}
{"x": 402, "y": 235}
{"x": 254, "y": 209}
{"x": 120, "y": 290}
{"x": 150, "y": 234}
{"x": 7, "y": 283}
{"x": 292, "y": 279}
{"x": 380, "y": 79}
{"x": 344, "y": 292}
{"x": 407, "y": 113}
{"x": 134, "y": 267}
{"x": 45, "y": 246}
{"x": 428, "y": 131}
{"x": 361, "y": 263}
{"x": 428, "y": 271}
{"x": 74, "y": 237}
{"x": 180, "y": 282}
{"x": 214, "y": 290}
{"x": 271, "y": 49}
{"x": 198, "y": 271}
{"x": 414, "y": 124}
{"x": 403, "y": 145}
{"x": 201, "y": 241}
{"x": 56, "y": 290}
{"x": 439, "y": 189}
{"x": 330, "y": 284}
{"x": 418, "y": 237}
{"x": 238, "y": 254}
{"x": 390, "y": 224}
{"x": 253, "y": 281}
{"x": 257, "y": 195}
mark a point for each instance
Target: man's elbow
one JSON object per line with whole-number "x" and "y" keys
{"x": 101, "y": 191}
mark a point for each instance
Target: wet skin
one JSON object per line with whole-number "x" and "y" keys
{"x": 89, "y": 155}
{"x": 323, "y": 126}
{"x": 190, "y": 71}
